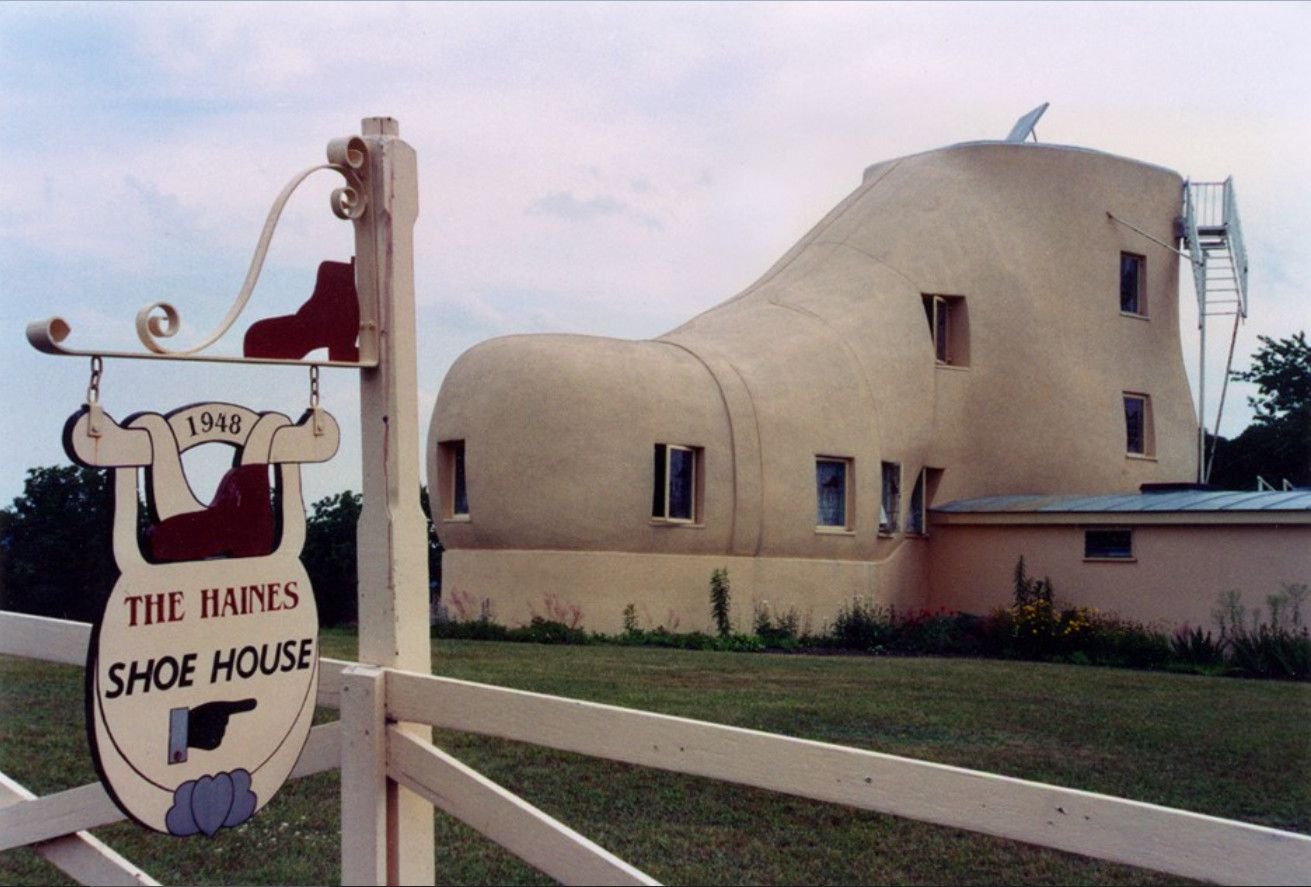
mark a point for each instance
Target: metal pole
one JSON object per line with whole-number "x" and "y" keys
{"x": 1201, "y": 391}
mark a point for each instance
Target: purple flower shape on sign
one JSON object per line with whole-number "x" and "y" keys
{"x": 210, "y": 803}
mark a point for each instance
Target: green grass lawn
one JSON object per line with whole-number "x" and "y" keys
{"x": 1233, "y": 748}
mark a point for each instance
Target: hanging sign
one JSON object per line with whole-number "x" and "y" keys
{"x": 202, "y": 672}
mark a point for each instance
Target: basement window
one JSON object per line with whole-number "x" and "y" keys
{"x": 1133, "y": 284}
{"x": 833, "y": 478}
{"x": 1110, "y": 544}
{"x": 675, "y": 492}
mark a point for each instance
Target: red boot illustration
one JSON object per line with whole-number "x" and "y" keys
{"x": 238, "y": 523}
{"x": 330, "y": 319}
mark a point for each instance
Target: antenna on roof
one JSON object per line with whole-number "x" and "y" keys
{"x": 1024, "y": 127}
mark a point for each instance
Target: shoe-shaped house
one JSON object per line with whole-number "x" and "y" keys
{"x": 970, "y": 322}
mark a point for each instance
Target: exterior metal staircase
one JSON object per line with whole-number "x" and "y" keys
{"x": 1213, "y": 236}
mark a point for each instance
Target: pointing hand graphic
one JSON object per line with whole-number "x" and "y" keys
{"x": 209, "y": 722}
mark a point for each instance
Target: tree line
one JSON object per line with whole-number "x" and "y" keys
{"x": 56, "y": 556}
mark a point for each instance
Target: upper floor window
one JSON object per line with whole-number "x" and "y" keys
{"x": 833, "y": 478}
{"x": 890, "y": 501}
{"x": 1138, "y": 437}
{"x": 455, "y": 501}
{"x": 676, "y": 490}
{"x": 949, "y": 327}
{"x": 1133, "y": 284}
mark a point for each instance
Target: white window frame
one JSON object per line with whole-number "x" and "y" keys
{"x": 948, "y": 329}
{"x": 848, "y": 499}
{"x": 889, "y": 495}
{"x": 694, "y": 454}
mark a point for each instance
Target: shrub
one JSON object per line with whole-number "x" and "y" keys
{"x": 862, "y": 625}
{"x": 1271, "y": 652}
{"x": 1190, "y": 646}
{"x": 778, "y": 632}
{"x": 719, "y": 599}
{"x": 547, "y": 631}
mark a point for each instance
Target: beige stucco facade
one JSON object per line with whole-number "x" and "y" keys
{"x": 831, "y": 354}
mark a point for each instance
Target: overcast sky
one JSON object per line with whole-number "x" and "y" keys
{"x": 605, "y": 169}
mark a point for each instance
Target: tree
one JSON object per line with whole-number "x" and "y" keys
{"x": 329, "y": 556}
{"x": 57, "y": 544}
{"x": 1281, "y": 370}
{"x": 1277, "y": 445}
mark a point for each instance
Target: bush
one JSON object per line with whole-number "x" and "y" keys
{"x": 862, "y": 625}
{"x": 547, "y": 631}
{"x": 1271, "y": 652}
{"x": 719, "y": 595}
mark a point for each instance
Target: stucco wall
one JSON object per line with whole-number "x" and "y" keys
{"x": 672, "y": 590}
{"x": 1175, "y": 577}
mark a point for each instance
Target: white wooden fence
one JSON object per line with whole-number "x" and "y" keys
{"x": 372, "y": 751}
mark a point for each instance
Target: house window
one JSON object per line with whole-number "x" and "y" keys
{"x": 455, "y": 502}
{"x": 1138, "y": 437}
{"x": 1133, "y": 289}
{"x": 833, "y": 492}
{"x": 676, "y": 487}
{"x": 890, "y": 502}
{"x": 921, "y": 497}
{"x": 949, "y": 329}
{"x": 1108, "y": 544}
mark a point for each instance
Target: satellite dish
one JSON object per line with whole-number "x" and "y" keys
{"x": 1023, "y": 127}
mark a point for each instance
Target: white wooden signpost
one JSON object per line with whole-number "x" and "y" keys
{"x": 203, "y": 672}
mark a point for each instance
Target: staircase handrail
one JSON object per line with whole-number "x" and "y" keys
{"x": 1237, "y": 248}
{"x": 1197, "y": 256}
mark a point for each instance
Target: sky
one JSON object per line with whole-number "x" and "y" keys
{"x": 590, "y": 168}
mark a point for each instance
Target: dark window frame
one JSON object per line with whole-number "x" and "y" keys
{"x": 1133, "y": 284}
{"x": 1108, "y": 544}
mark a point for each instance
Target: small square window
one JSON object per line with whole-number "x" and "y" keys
{"x": 832, "y": 492}
{"x": 455, "y": 498}
{"x": 1108, "y": 544}
{"x": 949, "y": 328}
{"x": 676, "y": 490}
{"x": 1133, "y": 289}
{"x": 890, "y": 500}
{"x": 1138, "y": 437}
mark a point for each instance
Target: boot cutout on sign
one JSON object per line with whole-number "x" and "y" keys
{"x": 238, "y": 522}
{"x": 330, "y": 319}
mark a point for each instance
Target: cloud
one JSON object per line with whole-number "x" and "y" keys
{"x": 564, "y": 205}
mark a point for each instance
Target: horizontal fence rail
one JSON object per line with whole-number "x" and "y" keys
{"x": 1116, "y": 829}
{"x": 74, "y": 852}
{"x": 1131, "y": 832}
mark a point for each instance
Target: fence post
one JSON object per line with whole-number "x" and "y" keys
{"x": 392, "y": 535}
{"x": 364, "y": 833}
